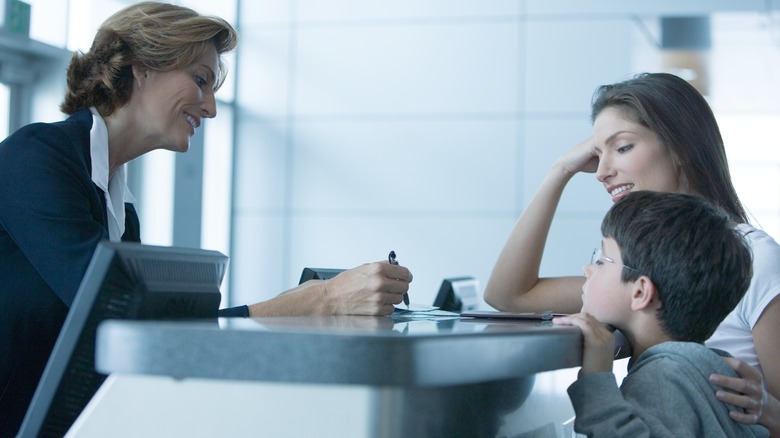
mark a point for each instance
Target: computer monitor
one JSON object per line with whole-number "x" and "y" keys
{"x": 458, "y": 294}
{"x": 122, "y": 281}
{"x": 318, "y": 274}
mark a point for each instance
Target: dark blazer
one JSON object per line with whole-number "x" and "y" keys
{"x": 51, "y": 218}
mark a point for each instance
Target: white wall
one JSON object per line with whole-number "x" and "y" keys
{"x": 418, "y": 127}
{"x": 425, "y": 127}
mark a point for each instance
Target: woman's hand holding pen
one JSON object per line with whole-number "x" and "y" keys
{"x": 369, "y": 289}
{"x": 393, "y": 261}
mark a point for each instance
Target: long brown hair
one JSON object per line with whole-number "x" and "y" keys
{"x": 686, "y": 127}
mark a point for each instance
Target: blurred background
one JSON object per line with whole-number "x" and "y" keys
{"x": 349, "y": 128}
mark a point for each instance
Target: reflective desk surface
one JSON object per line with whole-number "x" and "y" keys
{"x": 410, "y": 376}
{"x": 398, "y": 350}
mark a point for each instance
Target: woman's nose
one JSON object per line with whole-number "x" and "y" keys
{"x": 604, "y": 170}
{"x": 209, "y": 107}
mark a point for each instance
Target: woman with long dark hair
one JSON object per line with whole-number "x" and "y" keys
{"x": 656, "y": 132}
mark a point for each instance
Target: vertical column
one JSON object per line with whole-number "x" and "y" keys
{"x": 188, "y": 194}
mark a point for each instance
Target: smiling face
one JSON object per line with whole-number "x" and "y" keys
{"x": 174, "y": 103}
{"x": 631, "y": 157}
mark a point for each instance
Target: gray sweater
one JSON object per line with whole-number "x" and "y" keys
{"x": 665, "y": 394}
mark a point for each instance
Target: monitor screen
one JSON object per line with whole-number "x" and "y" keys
{"x": 122, "y": 281}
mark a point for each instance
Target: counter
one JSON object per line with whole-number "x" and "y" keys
{"x": 379, "y": 351}
{"x": 419, "y": 375}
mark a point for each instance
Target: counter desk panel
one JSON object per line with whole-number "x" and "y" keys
{"x": 405, "y": 375}
{"x": 363, "y": 350}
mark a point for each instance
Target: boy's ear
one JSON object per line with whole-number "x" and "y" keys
{"x": 645, "y": 295}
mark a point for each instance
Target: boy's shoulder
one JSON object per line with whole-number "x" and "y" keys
{"x": 686, "y": 366}
{"x": 672, "y": 356}
{"x": 667, "y": 390}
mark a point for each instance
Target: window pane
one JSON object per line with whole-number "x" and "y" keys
{"x": 85, "y": 18}
{"x": 217, "y": 185}
{"x": 744, "y": 62}
{"x": 48, "y": 21}
{"x": 155, "y": 202}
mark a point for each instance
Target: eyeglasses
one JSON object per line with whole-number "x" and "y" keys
{"x": 598, "y": 258}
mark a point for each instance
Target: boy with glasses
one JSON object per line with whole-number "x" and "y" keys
{"x": 670, "y": 268}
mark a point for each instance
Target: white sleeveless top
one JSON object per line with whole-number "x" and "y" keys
{"x": 734, "y": 334}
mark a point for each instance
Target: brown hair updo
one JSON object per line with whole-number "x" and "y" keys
{"x": 159, "y": 36}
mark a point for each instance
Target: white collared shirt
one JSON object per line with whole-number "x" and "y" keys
{"x": 114, "y": 186}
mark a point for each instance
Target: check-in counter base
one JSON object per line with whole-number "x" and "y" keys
{"x": 151, "y": 406}
{"x": 333, "y": 377}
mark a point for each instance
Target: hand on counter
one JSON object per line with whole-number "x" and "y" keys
{"x": 369, "y": 289}
{"x": 598, "y": 346}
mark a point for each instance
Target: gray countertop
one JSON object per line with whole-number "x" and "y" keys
{"x": 380, "y": 351}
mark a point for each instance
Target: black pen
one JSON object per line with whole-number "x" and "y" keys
{"x": 393, "y": 261}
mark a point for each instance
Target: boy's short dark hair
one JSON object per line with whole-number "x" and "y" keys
{"x": 689, "y": 248}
